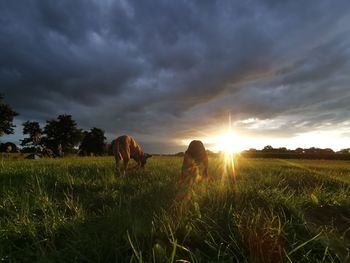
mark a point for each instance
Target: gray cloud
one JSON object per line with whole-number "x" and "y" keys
{"x": 165, "y": 69}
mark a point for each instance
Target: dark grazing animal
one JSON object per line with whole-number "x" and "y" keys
{"x": 126, "y": 148}
{"x": 195, "y": 156}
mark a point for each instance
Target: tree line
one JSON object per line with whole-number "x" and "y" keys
{"x": 62, "y": 135}
{"x": 299, "y": 153}
{"x": 58, "y": 136}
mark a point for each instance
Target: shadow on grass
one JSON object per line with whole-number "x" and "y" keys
{"x": 335, "y": 216}
{"x": 273, "y": 231}
{"x": 98, "y": 231}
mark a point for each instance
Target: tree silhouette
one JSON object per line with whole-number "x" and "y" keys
{"x": 268, "y": 148}
{"x": 33, "y": 130}
{"x": 93, "y": 142}
{"x": 6, "y": 118}
{"x": 62, "y": 133}
{"x": 344, "y": 151}
{"x": 299, "y": 150}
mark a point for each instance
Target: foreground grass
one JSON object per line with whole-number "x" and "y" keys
{"x": 78, "y": 209}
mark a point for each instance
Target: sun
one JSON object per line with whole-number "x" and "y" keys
{"x": 230, "y": 145}
{"x": 228, "y": 142}
{"x": 225, "y": 140}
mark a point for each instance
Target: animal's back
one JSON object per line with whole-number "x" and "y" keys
{"x": 126, "y": 144}
{"x": 197, "y": 151}
{"x": 124, "y": 140}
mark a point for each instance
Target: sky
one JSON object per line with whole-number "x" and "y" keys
{"x": 268, "y": 72}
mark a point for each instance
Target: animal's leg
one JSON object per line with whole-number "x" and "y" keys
{"x": 117, "y": 155}
{"x": 125, "y": 161}
{"x": 117, "y": 159}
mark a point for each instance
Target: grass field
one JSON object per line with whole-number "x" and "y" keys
{"x": 79, "y": 210}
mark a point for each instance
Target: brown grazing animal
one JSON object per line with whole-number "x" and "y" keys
{"x": 124, "y": 148}
{"x": 195, "y": 156}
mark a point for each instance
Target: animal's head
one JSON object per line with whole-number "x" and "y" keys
{"x": 144, "y": 158}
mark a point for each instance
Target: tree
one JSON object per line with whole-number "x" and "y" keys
{"x": 344, "y": 151}
{"x": 328, "y": 151}
{"x": 93, "y": 142}
{"x": 282, "y": 150}
{"x": 6, "y": 118}
{"x": 268, "y": 148}
{"x": 62, "y": 133}
{"x": 33, "y": 130}
{"x": 299, "y": 150}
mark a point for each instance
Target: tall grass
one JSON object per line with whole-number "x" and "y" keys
{"x": 78, "y": 209}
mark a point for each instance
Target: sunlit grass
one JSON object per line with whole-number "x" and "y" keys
{"x": 251, "y": 210}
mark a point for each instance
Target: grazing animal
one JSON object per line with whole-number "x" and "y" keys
{"x": 125, "y": 148}
{"x": 195, "y": 156}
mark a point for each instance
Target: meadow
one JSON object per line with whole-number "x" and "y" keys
{"x": 80, "y": 210}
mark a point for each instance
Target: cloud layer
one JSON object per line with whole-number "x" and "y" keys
{"x": 165, "y": 70}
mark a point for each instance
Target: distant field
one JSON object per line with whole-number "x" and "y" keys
{"x": 78, "y": 209}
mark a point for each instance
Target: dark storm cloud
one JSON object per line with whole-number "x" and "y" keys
{"x": 161, "y": 69}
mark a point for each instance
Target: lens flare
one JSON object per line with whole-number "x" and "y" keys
{"x": 229, "y": 160}
{"x": 228, "y": 143}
